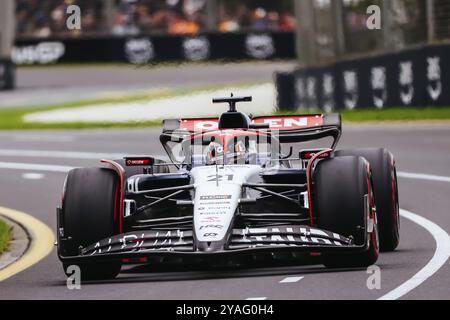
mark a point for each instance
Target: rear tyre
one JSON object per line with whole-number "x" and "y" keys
{"x": 90, "y": 213}
{"x": 342, "y": 188}
{"x": 382, "y": 164}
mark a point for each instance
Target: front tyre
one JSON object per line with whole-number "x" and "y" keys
{"x": 90, "y": 213}
{"x": 343, "y": 203}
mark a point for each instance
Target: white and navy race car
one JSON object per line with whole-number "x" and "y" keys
{"x": 236, "y": 189}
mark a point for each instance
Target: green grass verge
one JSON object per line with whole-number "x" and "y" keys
{"x": 12, "y": 118}
{"x": 5, "y": 236}
{"x": 397, "y": 114}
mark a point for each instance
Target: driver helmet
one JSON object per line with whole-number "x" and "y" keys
{"x": 239, "y": 153}
{"x": 214, "y": 154}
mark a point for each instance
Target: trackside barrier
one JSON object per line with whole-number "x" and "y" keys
{"x": 158, "y": 48}
{"x": 7, "y": 74}
{"x": 419, "y": 77}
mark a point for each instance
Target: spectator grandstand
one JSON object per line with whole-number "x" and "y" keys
{"x": 46, "y": 18}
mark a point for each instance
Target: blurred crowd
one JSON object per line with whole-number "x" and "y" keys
{"x": 259, "y": 18}
{"x": 159, "y": 16}
{"x": 44, "y": 18}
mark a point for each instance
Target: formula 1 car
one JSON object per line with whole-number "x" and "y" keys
{"x": 236, "y": 188}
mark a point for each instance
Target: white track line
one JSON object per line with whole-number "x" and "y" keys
{"x": 291, "y": 279}
{"x": 58, "y": 154}
{"x": 33, "y": 176}
{"x": 257, "y": 298}
{"x": 421, "y": 176}
{"x": 34, "y": 167}
{"x": 440, "y": 257}
{"x": 67, "y": 154}
{"x": 43, "y": 138}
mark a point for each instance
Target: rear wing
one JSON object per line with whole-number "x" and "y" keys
{"x": 289, "y": 128}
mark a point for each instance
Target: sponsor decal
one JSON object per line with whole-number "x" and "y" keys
{"x": 406, "y": 80}
{"x": 311, "y": 88}
{"x": 139, "y": 51}
{"x": 310, "y": 154}
{"x": 218, "y": 207}
{"x": 328, "y": 88}
{"x": 210, "y": 219}
{"x": 210, "y": 235}
{"x": 200, "y": 125}
{"x": 42, "y": 53}
{"x": 307, "y": 91}
{"x": 216, "y": 197}
{"x": 138, "y": 162}
{"x": 290, "y": 122}
{"x": 300, "y": 89}
{"x": 215, "y": 205}
{"x": 213, "y": 211}
{"x": 149, "y": 240}
{"x": 211, "y": 226}
{"x": 434, "y": 87}
{"x": 260, "y": 46}
{"x": 280, "y": 123}
{"x": 351, "y": 93}
{"x": 379, "y": 86}
{"x": 196, "y": 49}
{"x": 288, "y": 235}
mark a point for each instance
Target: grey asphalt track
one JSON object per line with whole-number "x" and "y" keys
{"x": 37, "y": 86}
{"x": 417, "y": 148}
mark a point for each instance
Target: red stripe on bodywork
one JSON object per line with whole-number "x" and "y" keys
{"x": 394, "y": 193}
{"x": 116, "y": 194}
{"x": 309, "y": 182}
{"x": 121, "y": 172}
{"x": 372, "y": 213}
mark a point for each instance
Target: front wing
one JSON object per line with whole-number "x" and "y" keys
{"x": 161, "y": 243}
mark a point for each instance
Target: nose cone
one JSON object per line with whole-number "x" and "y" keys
{"x": 214, "y": 211}
{"x": 217, "y": 194}
{"x": 211, "y": 246}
